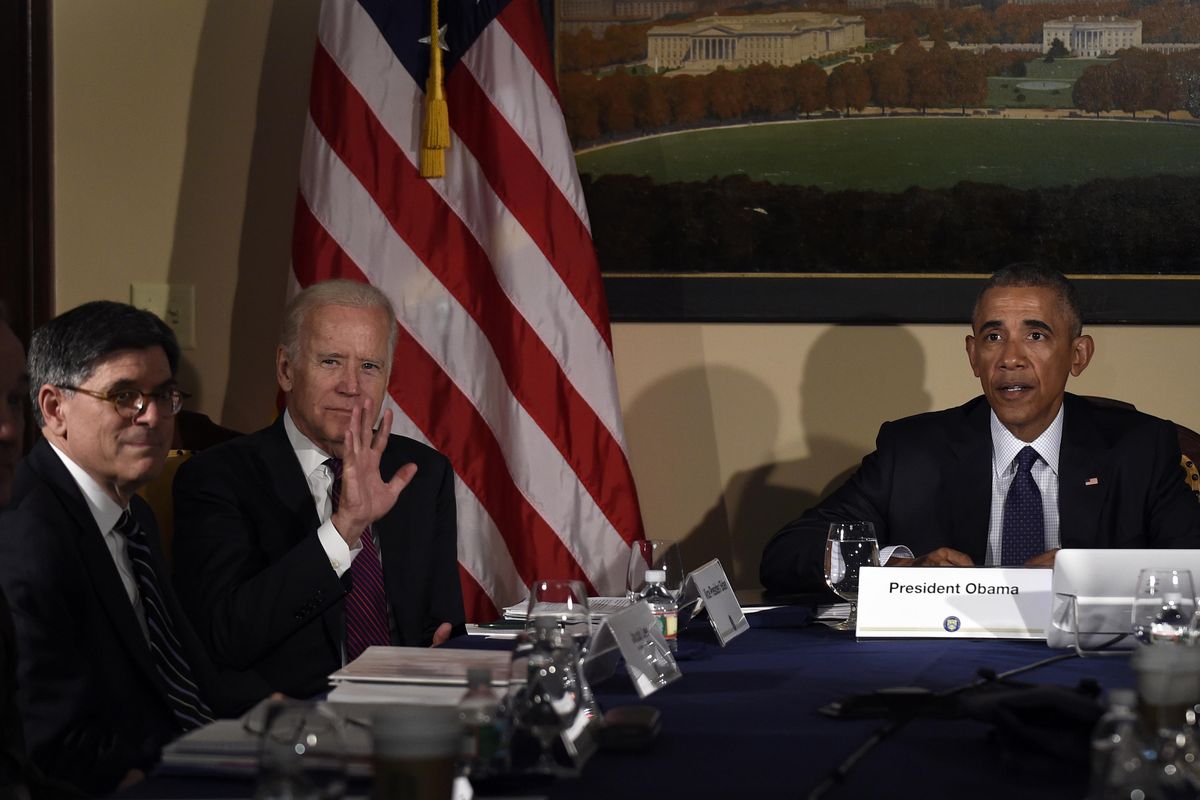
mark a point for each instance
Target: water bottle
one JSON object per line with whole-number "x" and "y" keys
{"x": 482, "y": 726}
{"x": 1118, "y": 758}
{"x": 662, "y": 605}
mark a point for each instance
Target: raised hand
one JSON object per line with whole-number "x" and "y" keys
{"x": 365, "y": 496}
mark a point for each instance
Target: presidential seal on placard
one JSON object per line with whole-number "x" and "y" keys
{"x": 951, "y": 624}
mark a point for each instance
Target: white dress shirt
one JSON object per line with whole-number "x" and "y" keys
{"x": 320, "y": 480}
{"x": 1005, "y": 448}
{"x": 106, "y": 512}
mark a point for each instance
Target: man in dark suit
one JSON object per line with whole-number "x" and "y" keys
{"x": 108, "y": 668}
{"x": 1011, "y": 476}
{"x": 300, "y": 545}
{"x": 14, "y": 386}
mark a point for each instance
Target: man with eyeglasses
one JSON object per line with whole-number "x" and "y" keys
{"x": 108, "y": 668}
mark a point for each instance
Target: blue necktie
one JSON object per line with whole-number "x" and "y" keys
{"x": 1023, "y": 535}
{"x": 182, "y": 693}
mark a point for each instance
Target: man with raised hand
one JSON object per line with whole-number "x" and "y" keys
{"x": 299, "y": 546}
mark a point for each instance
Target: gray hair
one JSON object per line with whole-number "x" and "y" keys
{"x": 1029, "y": 274}
{"x": 336, "y": 292}
{"x": 66, "y": 350}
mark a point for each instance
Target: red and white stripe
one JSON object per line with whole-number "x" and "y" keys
{"x": 504, "y": 360}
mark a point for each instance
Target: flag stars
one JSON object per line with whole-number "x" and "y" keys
{"x": 441, "y": 39}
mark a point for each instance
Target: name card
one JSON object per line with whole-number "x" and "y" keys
{"x": 708, "y": 588}
{"x": 949, "y": 602}
{"x": 639, "y": 637}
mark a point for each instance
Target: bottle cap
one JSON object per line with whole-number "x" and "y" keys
{"x": 656, "y": 576}
{"x": 479, "y": 676}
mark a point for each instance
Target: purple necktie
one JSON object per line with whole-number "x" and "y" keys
{"x": 366, "y": 603}
{"x": 1023, "y": 535}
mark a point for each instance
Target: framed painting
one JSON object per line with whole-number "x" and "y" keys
{"x": 869, "y": 161}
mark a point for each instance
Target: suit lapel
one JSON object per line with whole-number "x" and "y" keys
{"x": 1084, "y": 477}
{"x": 969, "y": 481}
{"x": 291, "y": 487}
{"x": 96, "y": 558}
{"x": 290, "y": 484}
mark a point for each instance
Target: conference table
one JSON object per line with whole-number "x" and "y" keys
{"x": 743, "y": 721}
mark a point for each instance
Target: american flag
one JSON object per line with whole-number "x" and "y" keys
{"x": 504, "y": 361}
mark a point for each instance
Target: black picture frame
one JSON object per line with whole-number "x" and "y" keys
{"x": 879, "y": 299}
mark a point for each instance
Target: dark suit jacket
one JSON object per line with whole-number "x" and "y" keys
{"x": 12, "y": 739}
{"x": 928, "y": 485}
{"x": 93, "y": 704}
{"x": 253, "y": 575}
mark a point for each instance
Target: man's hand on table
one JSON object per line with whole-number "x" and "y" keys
{"x": 441, "y": 635}
{"x": 942, "y": 557}
{"x": 1046, "y": 559}
{"x": 948, "y": 557}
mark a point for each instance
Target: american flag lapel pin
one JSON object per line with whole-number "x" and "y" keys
{"x": 1092, "y": 482}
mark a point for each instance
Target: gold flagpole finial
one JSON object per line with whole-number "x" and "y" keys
{"x": 435, "y": 135}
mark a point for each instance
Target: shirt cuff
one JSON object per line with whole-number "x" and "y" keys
{"x": 898, "y": 550}
{"x": 340, "y": 554}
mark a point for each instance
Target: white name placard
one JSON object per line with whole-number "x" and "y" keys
{"x": 648, "y": 659}
{"x": 948, "y": 602}
{"x": 708, "y": 588}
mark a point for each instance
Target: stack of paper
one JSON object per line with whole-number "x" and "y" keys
{"x": 599, "y": 608}
{"x": 414, "y": 675}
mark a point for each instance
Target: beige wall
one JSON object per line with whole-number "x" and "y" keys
{"x": 735, "y": 429}
{"x": 177, "y": 128}
{"x": 177, "y": 135}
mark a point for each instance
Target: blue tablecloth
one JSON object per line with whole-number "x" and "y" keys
{"x": 743, "y": 722}
{"x": 743, "y": 719}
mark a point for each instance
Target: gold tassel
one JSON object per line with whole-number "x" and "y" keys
{"x": 433, "y": 162}
{"x": 435, "y": 135}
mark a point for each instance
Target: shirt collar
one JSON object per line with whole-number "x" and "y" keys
{"x": 307, "y": 453}
{"x": 105, "y": 510}
{"x": 1006, "y": 446}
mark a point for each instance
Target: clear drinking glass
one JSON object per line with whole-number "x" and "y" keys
{"x": 653, "y": 554}
{"x": 553, "y": 693}
{"x": 566, "y": 602}
{"x": 849, "y": 546}
{"x": 1164, "y": 605}
{"x": 302, "y": 753}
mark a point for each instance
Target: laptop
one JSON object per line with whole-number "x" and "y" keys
{"x": 1092, "y": 593}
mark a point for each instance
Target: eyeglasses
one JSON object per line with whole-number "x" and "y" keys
{"x": 129, "y": 403}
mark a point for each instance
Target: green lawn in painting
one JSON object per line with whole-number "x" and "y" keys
{"x": 1008, "y": 92}
{"x": 890, "y": 154}
{"x": 1063, "y": 69}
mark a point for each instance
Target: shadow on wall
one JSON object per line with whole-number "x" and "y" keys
{"x": 851, "y": 383}
{"x": 215, "y": 165}
{"x": 682, "y": 418}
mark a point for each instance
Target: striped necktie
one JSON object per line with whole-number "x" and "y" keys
{"x": 182, "y": 693}
{"x": 1023, "y": 534}
{"x": 366, "y": 603}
